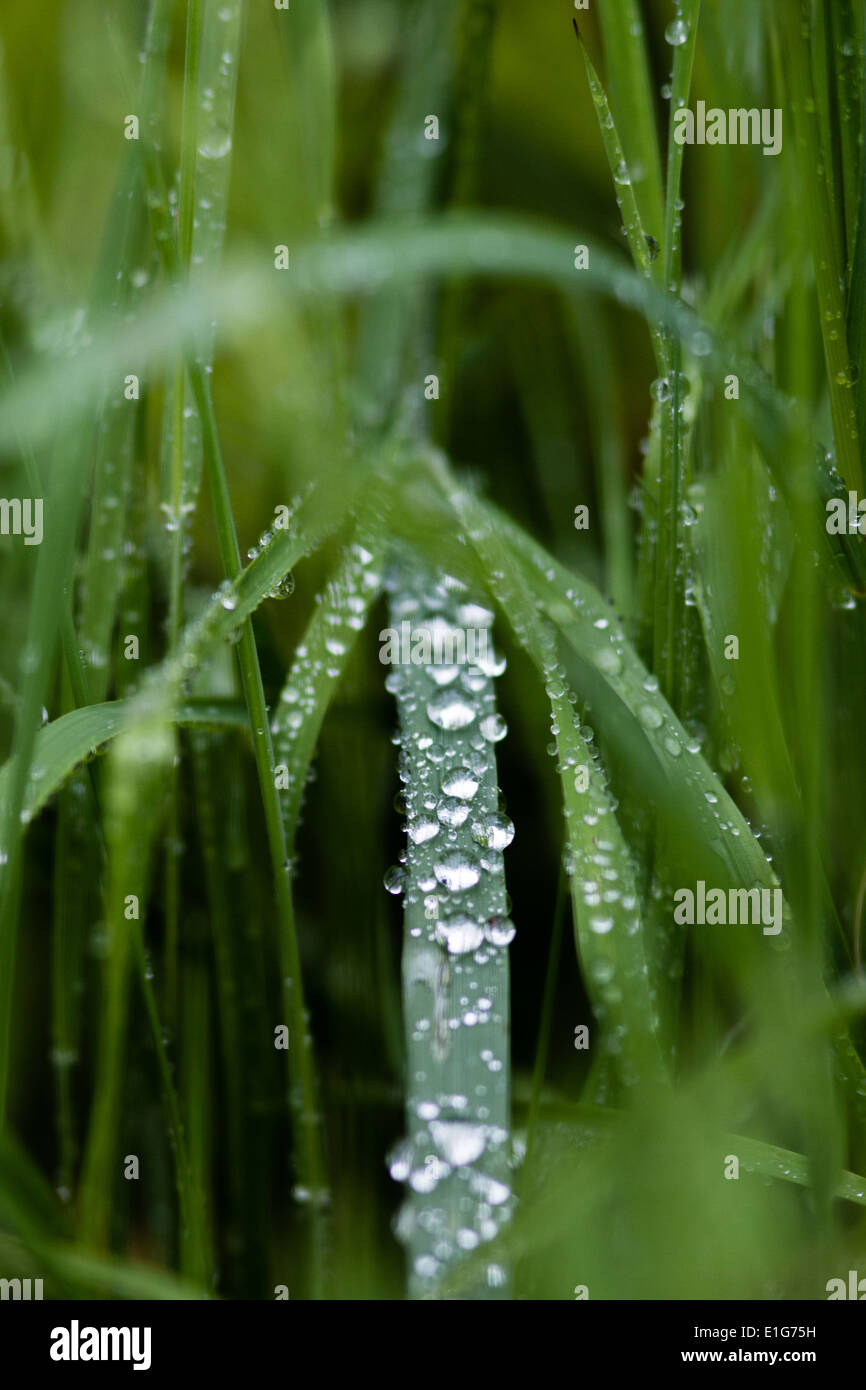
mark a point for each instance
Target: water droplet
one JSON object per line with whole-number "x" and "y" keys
{"x": 496, "y": 832}
{"x": 458, "y": 1141}
{"x": 460, "y": 935}
{"x": 650, "y": 716}
{"x": 457, "y": 871}
{"x": 448, "y": 710}
{"x": 500, "y": 931}
{"x": 601, "y": 925}
{"x": 216, "y": 145}
{"x": 677, "y": 33}
{"x": 608, "y": 659}
{"x": 452, "y": 811}
{"x": 423, "y": 830}
{"x": 493, "y": 728}
{"x": 462, "y": 782}
{"x": 395, "y": 879}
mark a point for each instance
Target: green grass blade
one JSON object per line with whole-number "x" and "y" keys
{"x": 318, "y": 667}
{"x": 634, "y": 106}
{"x": 139, "y": 761}
{"x": 67, "y": 742}
{"x": 579, "y": 611}
{"x": 643, "y": 255}
{"x": 390, "y": 345}
{"x": 815, "y": 166}
{"x": 607, "y": 913}
{"x": 455, "y": 959}
{"x": 684, "y": 54}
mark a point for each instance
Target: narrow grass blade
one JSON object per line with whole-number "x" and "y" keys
{"x": 310, "y": 51}
{"x": 684, "y": 53}
{"x": 67, "y": 742}
{"x": 628, "y": 73}
{"x": 591, "y": 628}
{"x": 795, "y": 29}
{"x": 644, "y": 251}
{"x": 139, "y": 761}
{"x": 390, "y": 344}
{"x": 320, "y": 661}
{"x": 455, "y": 1157}
{"x": 620, "y": 978}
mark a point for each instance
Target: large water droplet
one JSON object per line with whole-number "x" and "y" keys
{"x": 493, "y": 727}
{"x": 452, "y": 811}
{"x": 496, "y": 832}
{"x": 458, "y": 1142}
{"x": 500, "y": 931}
{"x": 448, "y": 710}
{"x": 462, "y": 782}
{"x": 457, "y": 871}
{"x": 677, "y": 33}
{"x": 395, "y": 879}
{"x": 460, "y": 935}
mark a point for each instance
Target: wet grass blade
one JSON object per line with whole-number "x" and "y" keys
{"x": 628, "y": 71}
{"x": 67, "y": 742}
{"x": 644, "y": 252}
{"x": 319, "y": 664}
{"x": 619, "y": 975}
{"x": 455, "y": 1157}
{"x": 139, "y": 762}
{"x": 815, "y": 165}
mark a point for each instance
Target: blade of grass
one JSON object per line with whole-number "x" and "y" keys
{"x": 390, "y": 342}
{"x": 795, "y": 32}
{"x": 645, "y": 260}
{"x": 455, "y": 957}
{"x": 628, "y": 72}
{"x": 318, "y": 667}
{"x": 607, "y": 914}
{"x": 139, "y": 760}
{"x": 61, "y": 746}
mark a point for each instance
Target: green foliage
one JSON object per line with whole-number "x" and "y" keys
{"x": 198, "y": 965}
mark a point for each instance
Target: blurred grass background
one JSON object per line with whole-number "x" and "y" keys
{"x": 548, "y": 405}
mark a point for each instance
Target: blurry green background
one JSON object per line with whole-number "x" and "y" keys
{"x": 541, "y": 402}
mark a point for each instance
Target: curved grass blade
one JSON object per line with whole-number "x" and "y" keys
{"x": 593, "y": 631}
{"x": 67, "y": 742}
{"x": 620, "y": 976}
{"x": 359, "y": 262}
{"x": 756, "y": 1156}
{"x": 318, "y": 667}
{"x": 705, "y": 828}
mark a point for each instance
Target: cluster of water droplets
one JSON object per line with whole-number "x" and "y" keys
{"x": 217, "y": 90}
{"x": 285, "y": 585}
{"x": 456, "y": 1157}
